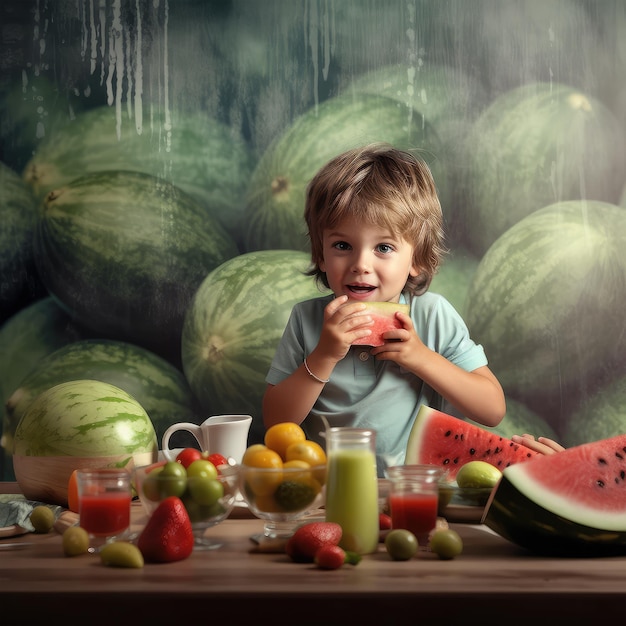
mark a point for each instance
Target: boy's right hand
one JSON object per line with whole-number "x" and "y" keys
{"x": 344, "y": 322}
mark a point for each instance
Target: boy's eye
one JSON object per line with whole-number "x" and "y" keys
{"x": 341, "y": 245}
{"x": 384, "y": 247}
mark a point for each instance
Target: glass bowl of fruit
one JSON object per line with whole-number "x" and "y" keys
{"x": 208, "y": 492}
{"x": 283, "y": 485}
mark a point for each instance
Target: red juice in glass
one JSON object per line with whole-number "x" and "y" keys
{"x": 104, "y": 497}
{"x": 105, "y": 514}
{"x": 416, "y": 512}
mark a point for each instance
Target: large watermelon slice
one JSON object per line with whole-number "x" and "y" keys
{"x": 440, "y": 439}
{"x": 567, "y": 504}
{"x": 384, "y": 316}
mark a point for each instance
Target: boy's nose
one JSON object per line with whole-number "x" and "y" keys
{"x": 361, "y": 264}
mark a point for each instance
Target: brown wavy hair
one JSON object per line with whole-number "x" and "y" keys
{"x": 385, "y": 187}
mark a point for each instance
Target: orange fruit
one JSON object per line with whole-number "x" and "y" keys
{"x": 72, "y": 492}
{"x": 259, "y": 455}
{"x": 312, "y": 453}
{"x": 305, "y": 474}
{"x": 280, "y": 436}
{"x": 308, "y": 451}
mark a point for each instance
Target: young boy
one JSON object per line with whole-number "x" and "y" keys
{"x": 376, "y": 232}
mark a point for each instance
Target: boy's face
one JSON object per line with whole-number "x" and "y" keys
{"x": 366, "y": 262}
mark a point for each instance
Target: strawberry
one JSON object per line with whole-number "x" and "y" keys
{"x": 384, "y": 521}
{"x": 330, "y": 557}
{"x": 308, "y": 538}
{"x": 333, "y": 557}
{"x": 168, "y": 535}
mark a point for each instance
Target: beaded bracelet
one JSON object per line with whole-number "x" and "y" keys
{"x": 312, "y": 375}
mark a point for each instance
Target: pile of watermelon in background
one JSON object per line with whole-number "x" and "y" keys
{"x": 151, "y": 208}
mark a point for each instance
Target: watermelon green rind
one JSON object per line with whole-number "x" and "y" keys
{"x": 437, "y": 438}
{"x": 539, "y": 290}
{"x": 84, "y": 418}
{"x": 384, "y": 318}
{"x": 160, "y": 388}
{"x": 234, "y": 324}
{"x": 203, "y": 157}
{"x": 124, "y": 252}
{"x": 535, "y": 145}
{"x": 570, "y": 503}
{"x": 19, "y": 282}
{"x": 520, "y": 520}
{"x": 276, "y": 192}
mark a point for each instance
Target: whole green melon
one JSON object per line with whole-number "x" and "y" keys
{"x": 547, "y": 300}
{"x": 160, "y": 388}
{"x": 19, "y": 282}
{"x": 80, "y": 423}
{"x": 234, "y": 324}
{"x": 274, "y": 216}
{"x": 537, "y": 145}
{"x": 25, "y": 339}
{"x": 124, "y": 252}
{"x": 203, "y": 157}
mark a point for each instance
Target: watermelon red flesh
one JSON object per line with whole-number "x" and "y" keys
{"x": 586, "y": 483}
{"x": 437, "y": 438}
{"x": 568, "y": 504}
{"x": 384, "y": 316}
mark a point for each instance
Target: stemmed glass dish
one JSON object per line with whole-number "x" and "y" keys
{"x": 282, "y": 496}
{"x": 209, "y": 500}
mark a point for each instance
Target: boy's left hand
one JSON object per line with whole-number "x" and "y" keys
{"x": 402, "y": 345}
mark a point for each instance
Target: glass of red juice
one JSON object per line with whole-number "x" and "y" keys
{"x": 414, "y": 498}
{"x": 104, "y": 497}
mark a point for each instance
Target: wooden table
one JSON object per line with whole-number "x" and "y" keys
{"x": 493, "y": 581}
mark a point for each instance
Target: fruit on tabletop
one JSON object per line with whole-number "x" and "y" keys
{"x": 295, "y": 495}
{"x": 437, "y": 438}
{"x": 121, "y": 554}
{"x": 383, "y": 315}
{"x": 259, "y": 455}
{"x": 79, "y": 423}
{"x": 75, "y": 541}
{"x": 72, "y": 492}
{"x": 446, "y": 543}
{"x": 202, "y": 467}
{"x": 187, "y": 456}
{"x": 217, "y": 459}
{"x": 401, "y": 544}
{"x": 42, "y": 519}
{"x": 334, "y": 557}
{"x": 568, "y": 504}
{"x": 384, "y": 521}
{"x": 280, "y": 436}
{"x": 308, "y": 538}
{"x": 478, "y": 475}
{"x": 167, "y": 535}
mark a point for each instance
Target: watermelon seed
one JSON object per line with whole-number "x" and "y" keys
{"x": 448, "y": 433}
{"x": 602, "y": 461}
{"x": 600, "y": 483}
{"x": 619, "y": 456}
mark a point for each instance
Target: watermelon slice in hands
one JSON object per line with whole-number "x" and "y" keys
{"x": 384, "y": 316}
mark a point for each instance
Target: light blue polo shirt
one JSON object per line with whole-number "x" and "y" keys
{"x": 366, "y": 393}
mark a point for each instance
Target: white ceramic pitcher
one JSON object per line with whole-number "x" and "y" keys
{"x": 223, "y": 434}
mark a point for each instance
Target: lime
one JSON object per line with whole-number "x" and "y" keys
{"x": 478, "y": 475}
{"x": 293, "y": 495}
{"x": 121, "y": 554}
{"x": 75, "y": 541}
{"x": 446, "y": 543}
{"x": 401, "y": 544}
{"x": 42, "y": 519}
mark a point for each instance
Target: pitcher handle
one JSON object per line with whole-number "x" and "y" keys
{"x": 190, "y": 427}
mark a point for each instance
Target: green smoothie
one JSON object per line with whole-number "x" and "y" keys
{"x": 352, "y": 498}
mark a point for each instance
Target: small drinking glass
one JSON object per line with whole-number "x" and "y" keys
{"x": 414, "y": 499}
{"x": 104, "y": 497}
